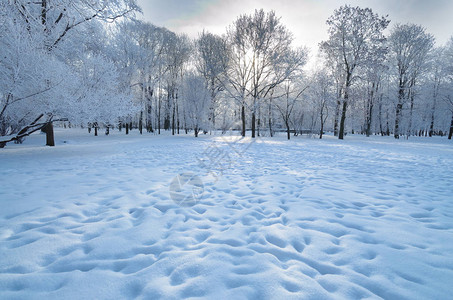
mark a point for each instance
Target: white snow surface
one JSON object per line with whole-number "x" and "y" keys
{"x": 92, "y": 218}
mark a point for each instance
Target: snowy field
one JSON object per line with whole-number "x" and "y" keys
{"x": 92, "y": 218}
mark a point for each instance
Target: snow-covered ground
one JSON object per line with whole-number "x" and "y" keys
{"x": 93, "y": 218}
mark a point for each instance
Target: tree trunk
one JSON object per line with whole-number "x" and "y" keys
{"x": 140, "y": 122}
{"x": 213, "y": 120}
{"x": 411, "y": 113}
{"x": 50, "y": 139}
{"x": 399, "y": 109}
{"x": 158, "y": 115}
{"x": 243, "y": 120}
{"x": 95, "y": 130}
{"x": 127, "y": 128}
{"x": 177, "y": 118}
{"x": 270, "y": 118}
{"x": 451, "y": 127}
{"x": 343, "y": 118}
{"x": 369, "y": 120}
{"x": 322, "y": 126}
{"x": 288, "y": 135}
{"x": 259, "y": 120}
{"x": 149, "y": 125}
{"x": 253, "y": 124}
{"x": 271, "y": 133}
{"x": 345, "y": 106}
{"x": 173, "y": 121}
{"x": 433, "y": 109}
{"x": 337, "y": 113}
{"x": 380, "y": 117}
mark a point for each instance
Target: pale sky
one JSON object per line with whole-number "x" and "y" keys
{"x": 304, "y": 18}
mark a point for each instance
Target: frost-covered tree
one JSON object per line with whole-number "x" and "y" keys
{"x": 42, "y": 68}
{"x": 374, "y": 73}
{"x": 140, "y": 50}
{"x": 177, "y": 56}
{"x": 196, "y": 100}
{"x": 32, "y": 80}
{"x": 261, "y": 58}
{"x": 355, "y": 37}
{"x": 211, "y": 60}
{"x": 435, "y": 79}
{"x": 448, "y": 68}
{"x": 322, "y": 96}
{"x": 410, "y": 45}
{"x": 290, "y": 94}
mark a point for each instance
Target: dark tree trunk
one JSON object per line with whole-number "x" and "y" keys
{"x": 95, "y": 130}
{"x": 177, "y": 119}
{"x": 451, "y": 127}
{"x": 433, "y": 109}
{"x": 369, "y": 117}
{"x": 411, "y": 112}
{"x": 140, "y": 122}
{"x": 288, "y": 135}
{"x": 173, "y": 121}
{"x": 337, "y": 113}
{"x": 345, "y": 106}
{"x": 271, "y": 133}
{"x": 253, "y": 124}
{"x": 270, "y": 118}
{"x": 380, "y": 118}
{"x": 259, "y": 120}
{"x": 399, "y": 108}
{"x": 50, "y": 139}
{"x": 149, "y": 125}
{"x": 322, "y": 125}
{"x": 158, "y": 116}
{"x": 167, "y": 122}
{"x": 107, "y": 130}
{"x": 243, "y": 120}
{"x": 369, "y": 120}
{"x": 343, "y": 118}
{"x": 127, "y": 128}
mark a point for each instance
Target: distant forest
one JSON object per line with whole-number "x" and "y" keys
{"x": 95, "y": 65}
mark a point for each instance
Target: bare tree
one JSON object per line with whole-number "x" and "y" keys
{"x": 286, "y": 102}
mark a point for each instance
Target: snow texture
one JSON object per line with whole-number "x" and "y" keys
{"x": 92, "y": 218}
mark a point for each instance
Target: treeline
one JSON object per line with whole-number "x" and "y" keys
{"x": 98, "y": 66}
